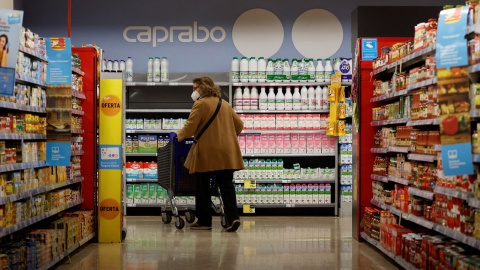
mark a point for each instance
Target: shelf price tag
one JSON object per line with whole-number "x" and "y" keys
{"x": 290, "y": 205}
{"x": 173, "y": 84}
{"x": 150, "y": 84}
{"x": 250, "y": 184}
{"x": 249, "y": 209}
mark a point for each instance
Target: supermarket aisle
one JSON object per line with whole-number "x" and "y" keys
{"x": 261, "y": 243}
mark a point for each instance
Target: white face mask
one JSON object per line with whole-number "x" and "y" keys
{"x": 195, "y": 95}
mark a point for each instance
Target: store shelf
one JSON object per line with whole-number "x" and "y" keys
{"x": 453, "y": 193}
{"x": 389, "y": 96}
{"x": 282, "y": 131}
{"x": 389, "y": 122}
{"x": 286, "y": 84}
{"x": 69, "y": 251}
{"x": 78, "y": 112}
{"x": 150, "y": 131}
{"x": 165, "y": 84}
{"x": 457, "y": 236}
{"x": 78, "y": 71}
{"x": 78, "y": 139}
{"x": 475, "y": 158}
{"x": 36, "y": 191}
{"x": 420, "y": 157}
{"x": 21, "y": 166}
{"x": 157, "y": 110}
{"x": 393, "y": 149}
{"x": 474, "y": 202}
{"x": 33, "y": 220}
{"x": 285, "y": 111}
{"x": 406, "y": 61}
{"x": 142, "y": 180}
{"x": 285, "y": 181}
{"x": 323, "y": 205}
{"x": 398, "y": 180}
{"x": 380, "y": 205}
{"x": 77, "y": 153}
{"x": 77, "y": 131}
{"x": 475, "y": 113}
{"x": 422, "y": 84}
{"x": 290, "y": 155}
{"x": 474, "y": 68}
{"x": 32, "y": 53}
{"x": 22, "y": 136}
{"x": 78, "y": 94}
{"x": 141, "y": 154}
{"x": 379, "y": 178}
{"x": 28, "y": 80}
{"x": 424, "y": 122}
{"x": 21, "y": 107}
{"x": 146, "y": 204}
{"x": 421, "y": 193}
{"x": 379, "y": 150}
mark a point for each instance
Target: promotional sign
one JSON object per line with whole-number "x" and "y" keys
{"x": 110, "y": 158}
{"x": 10, "y": 29}
{"x": 58, "y": 153}
{"x": 369, "y": 49}
{"x": 453, "y": 92}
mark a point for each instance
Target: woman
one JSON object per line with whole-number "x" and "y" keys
{"x": 217, "y": 151}
{"x": 3, "y": 50}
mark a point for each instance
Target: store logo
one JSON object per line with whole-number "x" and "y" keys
{"x": 58, "y": 44}
{"x": 345, "y": 67}
{"x": 109, "y": 209}
{"x": 159, "y": 34}
{"x": 452, "y": 154}
{"x": 110, "y": 105}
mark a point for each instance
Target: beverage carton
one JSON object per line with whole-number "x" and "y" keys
{"x": 257, "y": 145}
{"x": 302, "y": 143}
{"x": 309, "y": 194}
{"x": 150, "y": 170}
{"x": 323, "y": 121}
{"x": 286, "y": 194}
{"x": 316, "y": 119}
{"x": 279, "y": 122}
{"x": 287, "y": 144}
{"x": 294, "y": 121}
{"x": 287, "y": 125}
{"x": 257, "y": 172}
{"x": 145, "y": 193}
{"x": 279, "y": 173}
{"x": 265, "y": 121}
{"x": 321, "y": 192}
{"x": 298, "y": 194}
{"x": 332, "y": 142}
{"x": 242, "y": 143}
{"x": 129, "y": 194}
{"x": 274, "y": 169}
{"x": 137, "y": 193}
{"x": 160, "y": 195}
{"x": 134, "y": 169}
{"x": 310, "y": 143}
{"x": 325, "y": 144}
{"x": 190, "y": 200}
{"x": 268, "y": 169}
{"x": 271, "y": 144}
{"x": 248, "y": 122}
{"x": 263, "y": 174}
{"x": 257, "y": 121}
{"x": 271, "y": 121}
{"x": 152, "y": 193}
{"x": 279, "y": 144}
{"x": 147, "y": 143}
{"x": 317, "y": 143}
{"x": 269, "y": 194}
{"x": 315, "y": 195}
{"x": 302, "y": 124}
{"x": 294, "y": 137}
{"x": 249, "y": 146}
{"x": 328, "y": 194}
{"x": 264, "y": 143}
{"x": 309, "y": 121}
{"x": 304, "y": 194}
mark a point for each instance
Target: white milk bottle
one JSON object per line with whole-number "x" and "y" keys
{"x": 302, "y": 71}
{"x": 246, "y": 98}
{"x": 278, "y": 70}
{"x": 325, "y": 98}
{"x": 336, "y": 65}
{"x": 297, "y": 99}
{"x": 109, "y": 66}
{"x": 164, "y": 73}
{"x": 104, "y": 64}
{"x": 294, "y": 71}
{"x": 311, "y": 70}
{"x": 252, "y": 70}
{"x": 318, "y": 97}
{"x": 271, "y": 99}
{"x": 319, "y": 71}
{"x": 129, "y": 69}
{"x": 312, "y": 100}
{"x": 254, "y": 99}
{"x": 116, "y": 66}
{"x": 270, "y": 71}
{"x": 262, "y": 68}
{"x": 156, "y": 69}
{"x": 304, "y": 97}
{"x": 244, "y": 70}
{"x": 235, "y": 70}
{"x": 238, "y": 99}
{"x": 263, "y": 99}
{"x": 288, "y": 99}
{"x": 286, "y": 71}
{"x": 280, "y": 100}
{"x": 122, "y": 65}
{"x": 328, "y": 71}
{"x": 150, "y": 69}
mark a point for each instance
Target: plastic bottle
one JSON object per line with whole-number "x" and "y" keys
{"x": 304, "y": 97}
{"x": 116, "y": 66}
{"x": 263, "y": 99}
{"x": 262, "y": 68}
{"x": 164, "y": 73}
{"x": 294, "y": 71}
{"x": 278, "y": 70}
{"x": 280, "y": 100}
{"x": 319, "y": 71}
{"x": 288, "y": 98}
{"x": 244, "y": 70}
{"x": 336, "y": 65}
{"x": 312, "y": 100}
{"x": 156, "y": 69}
{"x": 328, "y": 71}
{"x": 297, "y": 99}
{"x": 318, "y": 97}
{"x": 122, "y": 65}
{"x": 246, "y": 99}
{"x": 254, "y": 99}
{"x": 302, "y": 71}
{"x": 325, "y": 98}
{"x": 311, "y": 70}
{"x": 270, "y": 71}
{"x": 235, "y": 70}
{"x": 238, "y": 99}
{"x": 109, "y": 66}
{"x": 129, "y": 69}
{"x": 286, "y": 71}
{"x": 104, "y": 64}
{"x": 271, "y": 99}
{"x": 150, "y": 69}
{"x": 252, "y": 70}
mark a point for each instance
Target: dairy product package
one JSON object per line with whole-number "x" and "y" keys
{"x": 317, "y": 143}
{"x": 264, "y": 143}
{"x": 310, "y": 143}
{"x": 257, "y": 144}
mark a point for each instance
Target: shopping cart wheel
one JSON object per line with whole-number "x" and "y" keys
{"x": 179, "y": 222}
{"x": 166, "y": 217}
{"x": 223, "y": 221}
{"x": 189, "y": 216}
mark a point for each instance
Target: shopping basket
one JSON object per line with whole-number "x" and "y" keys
{"x": 176, "y": 179}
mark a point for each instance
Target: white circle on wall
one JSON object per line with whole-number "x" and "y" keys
{"x": 317, "y": 33}
{"x": 258, "y": 32}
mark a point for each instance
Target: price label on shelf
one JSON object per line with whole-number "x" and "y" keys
{"x": 290, "y": 205}
{"x": 238, "y": 181}
{"x": 150, "y": 84}
{"x": 286, "y": 181}
{"x": 250, "y": 184}
{"x": 249, "y": 209}
{"x": 173, "y": 84}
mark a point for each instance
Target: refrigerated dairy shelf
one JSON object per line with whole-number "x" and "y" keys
{"x": 283, "y": 111}
{"x": 406, "y": 61}
{"x": 22, "y": 136}
{"x": 282, "y": 131}
{"x": 142, "y": 180}
{"x": 157, "y": 110}
{"x": 291, "y": 155}
{"x": 452, "y": 192}
{"x": 420, "y": 157}
{"x": 21, "y": 107}
{"x": 421, "y": 193}
{"x": 152, "y": 205}
{"x": 21, "y": 166}
{"x": 286, "y": 181}
{"x": 292, "y": 84}
{"x": 294, "y": 205}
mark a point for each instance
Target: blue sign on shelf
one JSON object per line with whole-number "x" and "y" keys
{"x": 369, "y": 49}
{"x": 110, "y": 157}
{"x": 7, "y": 81}
{"x": 457, "y": 159}
{"x": 58, "y": 154}
{"x": 451, "y": 44}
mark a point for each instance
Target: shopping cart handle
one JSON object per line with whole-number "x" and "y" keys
{"x": 173, "y": 135}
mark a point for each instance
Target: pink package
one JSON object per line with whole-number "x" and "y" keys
{"x": 279, "y": 149}
{"x": 248, "y": 122}
{"x": 316, "y": 121}
{"x": 249, "y": 148}
{"x": 286, "y": 122}
{"x": 271, "y": 121}
{"x": 287, "y": 144}
{"x": 257, "y": 121}
{"x": 309, "y": 121}
{"x": 279, "y": 122}
{"x": 310, "y": 143}
{"x": 302, "y": 143}
{"x": 317, "y": 138}
{"x": 264, "y": 144}
{"x": 264, "y": 119}
{"x": 271, "y": 143}
{"x": 294, "y": 137}
{"x": 323, "y": 122}
{"x": 302, "y": 125}
{"x": 332, "y": 142}
{"x": 241, "y": 142}
{"x": 325, "y": 144}
{"x": 257, "y": 144}
{"x": 294, "y": 121}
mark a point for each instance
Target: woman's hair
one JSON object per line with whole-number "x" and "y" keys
{"x": 6, "y": 40}
{"x": 208, "y": 87}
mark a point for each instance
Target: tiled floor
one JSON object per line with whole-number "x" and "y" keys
{"x": 260, "y": 243}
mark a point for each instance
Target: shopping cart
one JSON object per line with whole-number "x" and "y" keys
{"x": 175, "y": 178}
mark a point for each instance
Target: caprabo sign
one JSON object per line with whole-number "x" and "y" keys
{"x": 159, "y": 34}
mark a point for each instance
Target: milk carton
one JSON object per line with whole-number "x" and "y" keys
{"x": 152, "y": 193}
{"x": 239, "y": 194}
{"x": 248, "y": 122}
{"x": 268, "y": 169}
{"x": 257, "y": 172}
{"x": 160, "y": 196}
{"x": 257, "y": 144}
{"x": 150, "y": 170}
{"x": 294, "y": 137}
{"x": 271, "y": 144}
{"x": 279, "y": 194}
{"x": 294, "y": 121}
{"x": 279, "y": 168}
{"x": 129, "y": 194}
{"x": 190, "y": 200}
{"x": 310, "y": 143}
{"x": 249, "y": 144}
{"x": 303, "y": 198}
{"x": 309, "y": 121}
{"x": 257, "y": 121}
{"x": 270, "y": 199}
{"x": 265, "y": 121}
{"x": 262, "y": 174}
{"x": 328, "y": 194}
{"x": 316, "y": 119}
{"x": 251, "y": 168}
{"x": 323, "y": 121}
{"x": 279, "y": 122}
{"x": 325, "y": 144}
{"x": 287, "y": 144}
{"x": 147, "y": 144}
{"x": 302, "y": 143}
{"x": 298, "y": 194}
{"x": 315, "y": 195}
{"x": 264, "y": 143}
{"x": 145, "y": 193}
{"x": 279, "y": 144}
{"x": 134, "y": 170}
{"x": 242, "y": 143}
{"x": 271, "y": 121}
{"x": 137, "y": 193}
{"x": 317, "y": 143}
{"x": 332, "y": 143}
{"x": 274, "y": 169}
{"x": 321, "y": 192}
{"x": 302, "y": 125}
{"x": 286, "y": 194}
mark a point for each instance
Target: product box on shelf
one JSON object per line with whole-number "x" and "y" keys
{"x": 257, "y": 145}
{"x": 129, "y": 193}
{"x": 160, "y": 195}
{"x": 134, "y": 169}
{"x": 137, "y": 193}
{"x": 302, "y": 143}
{"x": 150, "y": 170}
{"x": 147, "y": 144}
{"x": 152, "y": 193}
{"x": 144, "y": 196}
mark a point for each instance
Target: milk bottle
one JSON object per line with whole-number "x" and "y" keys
{"x": 328, "y": 71}
{"x": 263, "y": 102}
{"x": 238, "y": 99}
{"x": 280, "y": 100}
{"x": 164, "y": 73}
{"x": 286, "y": 71}
{"x": 312, "y": 101}
{"x": 150, "y": 69}
{"x": 271, "y": 99}
{"x": 319, "y": 71}
{"x": 254, "y": 98}
{"x": 297, "y": 99}
{"x": 235, "y": 70}
{"x": 270, "y": 71}
{"x": 246, "y": 98}
{"x": 304, "y": 98}
{"x": 252, "y": 70}
{"x": 129, "y": 69}
{"x": 294, "y": 71}
{"x": 156, "y": 69}
{"x": 311, "y": 70}
{"x": 262, "y": 68}
{"x": 288, "y": 99}
{"x": 244, "y": 70}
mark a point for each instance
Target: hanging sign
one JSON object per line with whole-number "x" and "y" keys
{"x": 453, "y": 92}
{"x": 10, "y": 29}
